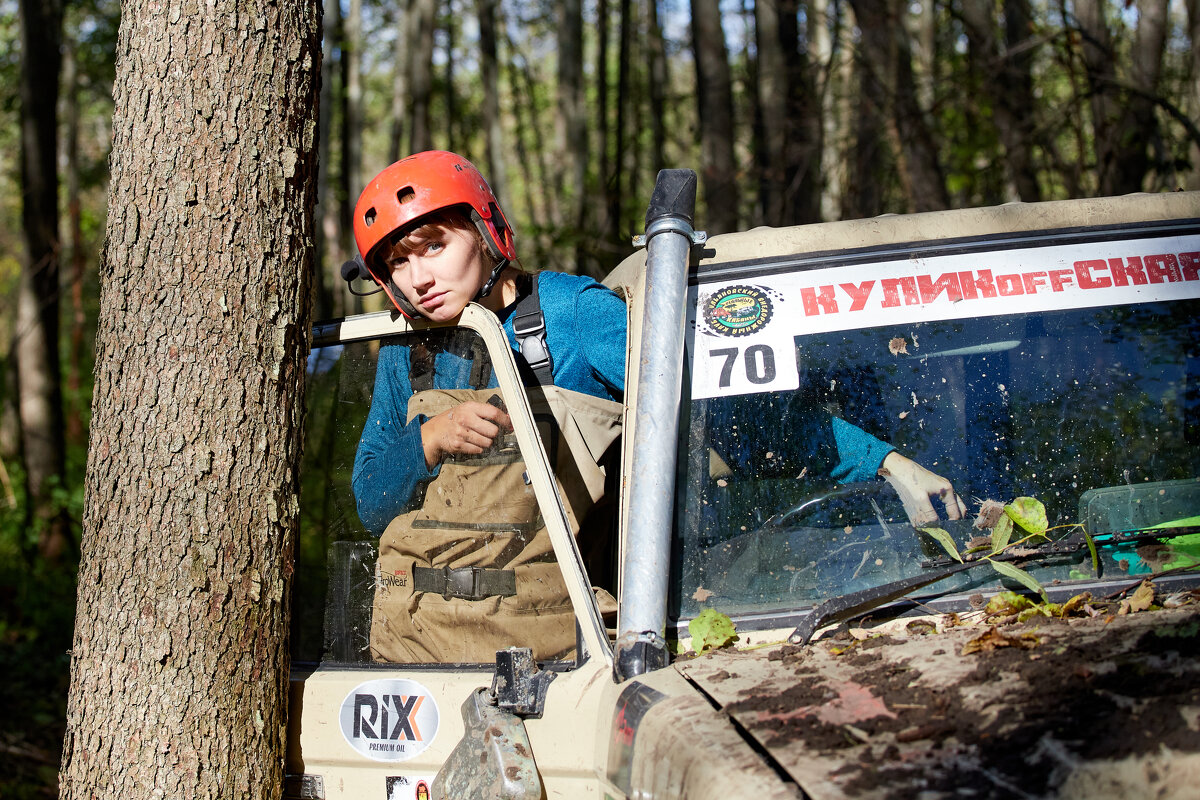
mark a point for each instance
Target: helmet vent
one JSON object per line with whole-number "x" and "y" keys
{"x": 406, "y": 195}
{"x": 369, "y": 217}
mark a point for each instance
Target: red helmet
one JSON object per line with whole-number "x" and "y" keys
{"x": 419, "y": 185}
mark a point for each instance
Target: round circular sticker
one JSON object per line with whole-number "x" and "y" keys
{"x": 389, "y": 720}
{"x": 737, "y": 310}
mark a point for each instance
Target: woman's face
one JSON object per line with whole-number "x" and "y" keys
{"x": 439, "y": 269}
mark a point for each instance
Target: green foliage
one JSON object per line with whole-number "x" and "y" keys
{"x": 945, "y": 540}
{"x": 711, "y": 630}
{"x": 1029, "y": 513}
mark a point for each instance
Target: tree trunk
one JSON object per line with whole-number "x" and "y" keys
{"x": 421, "y": 28}
{"x": 399, "y": 81}
{"x": 659, "y": 81}
{"x": 571, "y": 127}
{"x": 1122, "y": 112}
{"x": 1193, "y": 18}
{"x": 39, "y": 390}
{"x": 73, "y": 408}
{"x": 325, "y": 222}
{"x": 179, "y": 666}
{"x": 863, "y": 194}
{"x": 351, "y": 138}
{"x": 492, "y": 130}
{"x": 714, "y": 95}
{"x": 887, "y": 56}
{"x": 330, "y": 203}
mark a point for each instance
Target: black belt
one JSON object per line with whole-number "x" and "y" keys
{"x": 465, "y": 583}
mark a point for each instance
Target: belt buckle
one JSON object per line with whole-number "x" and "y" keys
{"x": 462, "y": 583}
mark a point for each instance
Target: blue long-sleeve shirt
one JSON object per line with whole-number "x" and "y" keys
{"x": 585, "y": 334}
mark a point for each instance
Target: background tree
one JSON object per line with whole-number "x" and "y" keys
{"x": 39, "y": 384}
{"x": 179, "y": 663}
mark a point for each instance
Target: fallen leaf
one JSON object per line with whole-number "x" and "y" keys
{"x": 921, "y": 627}
{"x": 992, "y": 639}
{"x": 898, "y": 346}
{"x": 1029, "y": 513}
{"x": 1141, "y": 600}
{"x": 711, "y": 630}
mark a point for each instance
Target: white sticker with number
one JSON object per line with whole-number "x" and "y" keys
{"x": 735, "y": 349}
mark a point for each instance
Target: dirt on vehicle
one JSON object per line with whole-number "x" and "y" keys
{"x": 1099, "y": 706}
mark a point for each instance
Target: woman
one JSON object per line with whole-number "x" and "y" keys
{"x": 432, "y": 234}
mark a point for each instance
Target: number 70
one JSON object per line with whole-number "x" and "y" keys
{"x": 759, "y": 363}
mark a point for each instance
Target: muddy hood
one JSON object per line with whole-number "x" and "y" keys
{"x": 1097, "y": 708}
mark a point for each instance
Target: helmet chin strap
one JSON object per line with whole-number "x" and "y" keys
{"x": 486, "y": 289}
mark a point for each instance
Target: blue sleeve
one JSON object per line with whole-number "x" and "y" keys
{"x": 859, "y": 453}
{"x": 389, "y": 464}
{"x": 602, "y": 320}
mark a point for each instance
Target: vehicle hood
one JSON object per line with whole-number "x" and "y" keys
{"x": 1098, "y": 707}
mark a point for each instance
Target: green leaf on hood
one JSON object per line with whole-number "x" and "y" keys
{"x": 945, "y": 540}
{"x": 1029, "y": 513}
{"x": 1020, "y": 575}
{"x": 711, "y": 630}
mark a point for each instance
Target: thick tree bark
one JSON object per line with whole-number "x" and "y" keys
{"x": 179, "y": 665}
{"x": 887, "y": 56}
{"x": 714, "y": 96}
{"x": 39, "y": 389}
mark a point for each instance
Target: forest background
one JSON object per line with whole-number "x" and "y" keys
{"x": 792, "y": 112}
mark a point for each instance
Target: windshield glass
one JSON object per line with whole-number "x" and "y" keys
{"x": 1093, "y": 411}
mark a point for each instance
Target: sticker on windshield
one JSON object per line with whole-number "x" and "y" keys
{"x": 389, "y": 720}
{"x": 919, "y": 289}
{"x": 738, "y": 311}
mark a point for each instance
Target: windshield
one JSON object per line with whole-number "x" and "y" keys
{"x": 1093, "y": 411}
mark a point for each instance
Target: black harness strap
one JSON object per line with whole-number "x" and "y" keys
{"x": 529, "y": 325}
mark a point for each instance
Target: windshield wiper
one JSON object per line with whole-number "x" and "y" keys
{"x": 852, "y": 604}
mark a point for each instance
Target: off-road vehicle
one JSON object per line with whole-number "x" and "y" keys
{"x": 781, "y": 632}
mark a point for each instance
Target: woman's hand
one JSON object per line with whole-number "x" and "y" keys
{"x": 917, "y": 486}
{"x": 469, "y": 428}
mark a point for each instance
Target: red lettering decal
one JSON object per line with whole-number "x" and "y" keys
{"x": 1125, "y": 273}
{"x": 1059, "y": 278}
{"x": 815, "y": 304}
{"x": 1083, "y": 271}
{"x": 947, "y": 283}
{"x": 973, "y": 287}
{"x": 1009, "y": 285}
{"x": 858, "y": 294}
{"x": 1189, "y": 265}
{"x": 1163, "y": 268}
{"x": 892, "y": 288}
{"x": 1033, "y": 280}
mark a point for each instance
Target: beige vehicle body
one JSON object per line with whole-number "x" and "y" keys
{"x": 765, "y": 718}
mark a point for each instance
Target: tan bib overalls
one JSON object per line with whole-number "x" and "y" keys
{"x": 472, "y": 571}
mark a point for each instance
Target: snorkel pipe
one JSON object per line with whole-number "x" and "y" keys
{"x": 669, "y": 237}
